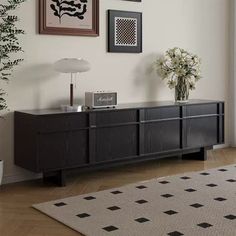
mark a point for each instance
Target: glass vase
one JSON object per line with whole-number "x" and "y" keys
{"x": 182, "y": 90}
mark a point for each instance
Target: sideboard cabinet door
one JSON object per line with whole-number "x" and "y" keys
{"x": 77, "y": 148}
{"x": 202, "y": 131}
{"x": 51, "y": 150}
{"x": 161, "y": 136}
{"x": 116, "y": 143}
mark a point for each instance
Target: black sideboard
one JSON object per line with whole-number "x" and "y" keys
{"x": 53, "y": 141}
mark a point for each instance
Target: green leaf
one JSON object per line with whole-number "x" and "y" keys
{"x": 9, "y": 43}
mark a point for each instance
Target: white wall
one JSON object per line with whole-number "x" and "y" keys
{"x": 200, "y": 26}
{"x": 232, "y": 82}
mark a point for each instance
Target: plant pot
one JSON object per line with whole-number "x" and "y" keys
{"x": 182, "y": 90}
{"x": 1, "y": 171}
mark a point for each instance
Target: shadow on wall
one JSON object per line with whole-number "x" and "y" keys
{"x": 33, "y": 77}
{"x": 146, "y": 78}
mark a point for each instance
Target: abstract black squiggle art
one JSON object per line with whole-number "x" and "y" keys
{"x": 69, "y": 8}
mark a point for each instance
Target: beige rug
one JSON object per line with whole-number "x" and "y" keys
{"x": 198, "y": 203}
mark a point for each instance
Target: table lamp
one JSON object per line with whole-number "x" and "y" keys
{"x": 72, "y": 66}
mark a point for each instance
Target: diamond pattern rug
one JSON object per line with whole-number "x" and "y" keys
{"x": 196, "y": 203}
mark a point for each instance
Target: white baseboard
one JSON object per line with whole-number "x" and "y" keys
{"x": 19, "y": 178}
{"x": 221, "y": 146}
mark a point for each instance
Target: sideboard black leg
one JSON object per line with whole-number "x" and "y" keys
{"x": 61, "y": 178}
{"x": 201, "y": 155}
{"x": 55, "y": 177}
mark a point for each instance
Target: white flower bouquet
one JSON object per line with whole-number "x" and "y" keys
{"x": 181, "y": 69}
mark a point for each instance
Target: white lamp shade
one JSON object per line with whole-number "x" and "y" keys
{"x": 71, "y": 65}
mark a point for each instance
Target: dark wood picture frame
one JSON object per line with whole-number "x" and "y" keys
{"x": 44, "y": 29}
{"x": 112, "y": 45}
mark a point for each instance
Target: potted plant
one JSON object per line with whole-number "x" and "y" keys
{"x": 181, "y": 69}
{"x": 9, "y": 44}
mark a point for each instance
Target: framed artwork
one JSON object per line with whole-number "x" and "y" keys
{"x": 124, "y": 31}
{"x": 134, "y": 0}
{"x": 69, "y": 17}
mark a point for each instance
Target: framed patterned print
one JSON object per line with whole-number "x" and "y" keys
{"x": 69, "y": 17}
{"x": 124, "y": 31}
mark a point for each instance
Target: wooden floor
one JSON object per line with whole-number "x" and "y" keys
{"x": 17, "y": 218}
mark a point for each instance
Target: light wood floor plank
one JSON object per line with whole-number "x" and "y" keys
{"x": 17, "y": 218}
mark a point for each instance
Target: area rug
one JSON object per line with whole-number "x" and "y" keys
{"x": 197, "y": 203}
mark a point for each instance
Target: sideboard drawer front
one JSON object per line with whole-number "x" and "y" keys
{"x": 116, "y": 117}
{"x": 63, "y": 123}
{"x": 162, "y": 113}
{"x": 78, "y": 121}
{"x": 202, "y": 109}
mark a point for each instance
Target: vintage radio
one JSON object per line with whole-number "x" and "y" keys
{"x": 100, "y": 99}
